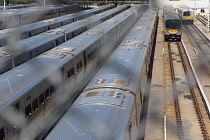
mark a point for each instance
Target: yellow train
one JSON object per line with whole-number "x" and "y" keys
{"x": 186, "y": 14}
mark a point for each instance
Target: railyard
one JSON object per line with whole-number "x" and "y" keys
{"x": 179, "y": 86}
{"x": 104, "y": 73}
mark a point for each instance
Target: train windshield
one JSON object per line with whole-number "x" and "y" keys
{"x": 173, "y": 24}
{"x": 187, "y": 13}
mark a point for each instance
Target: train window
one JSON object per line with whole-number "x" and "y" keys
{"x": 41, "y": 99}
{"x": 91, "y": 54}
{"x": 173, "y": 24}
{"x": 47, "y": 94}
{"x": 62, "y": 71}
{"x": 35, "y": 105}
{"x": 2, "y": 134}
{"x": 52, "y": 90}
{"x": 88, "y": 57}
{"x": 79, "y": 65}
{"x": 17, "y": 107}
{"x": 95, "y": 51}
{"x": 70, "y": 72}
{"x": 187, "y": 13}
{"x": 56, "y": 86}
{"x": 28, "y": 111}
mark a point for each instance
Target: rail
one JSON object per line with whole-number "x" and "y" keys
{"x": 198, "y": 81}
{"x": 202, "y": 19}
{"x": 201, "y": 32}
{"x": 176, "y": 101}
{"x": 203, "y": 43}
{"x": 195, "y": 93}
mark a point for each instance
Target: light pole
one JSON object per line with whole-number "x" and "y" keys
{"x": 4, "y": 4}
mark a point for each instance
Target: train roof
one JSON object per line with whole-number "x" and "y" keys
{"x": 93, "y": 121}
{"x": 129, "y": 46}
{"x": 18, "y": 6}
{"x": 28, "y": 27}
{"x": 31, "y": 10}
{"x": 19, "y": 49}
{"x": 170, "y": 14}
{"x": 16, "y": 82}
{"x": 98, "y": 115}
{"x": 172, "y": 17}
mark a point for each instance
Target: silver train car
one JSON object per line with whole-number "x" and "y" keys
{"x": 35, "y": 94}
{"x": 17, "y": 17}
{"x": 29, "y": 30}
{"x": 18, "y": 6}
{"x": 172, "y": 24}
{"x": 186, "y": 14}
{"x": 109, "y": 107}
{"x": 12, "y": 56}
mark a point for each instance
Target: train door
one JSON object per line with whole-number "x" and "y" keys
{"x": 63, "y": 74}
{"x": 8, "y": 131}
{"x": 2, "y": 133}
{"x": 16, "y": 122}
{"x": 85, "y": 59}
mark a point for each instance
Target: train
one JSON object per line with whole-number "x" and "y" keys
{"x": 18, "y": 6}
{"x": 24, "y": 50}
{"x": 22, "y": 32}
{"x": 172, "y": 24}
{"x": 35, "y": 94}
{"x": 186, "y": 14}
{"x": 109, "y": 108}
{"x": 17, "y": 17}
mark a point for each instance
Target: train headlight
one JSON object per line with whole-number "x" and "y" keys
{"x": 178, "y": 33}
{"x": 167, "y": 33}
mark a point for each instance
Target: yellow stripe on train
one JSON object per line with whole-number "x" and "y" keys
{"x": 187, "y": 17}
{"x": 171, "y": 31}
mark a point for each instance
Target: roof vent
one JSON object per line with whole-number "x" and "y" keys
{"x": 93, "y": 94}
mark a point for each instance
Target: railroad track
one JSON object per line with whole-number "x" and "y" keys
{"x": 176, "y": 99}
{"x": 202, "y": 19}
{"x": 178, "y": 59}
{"x": 200, "y": 44}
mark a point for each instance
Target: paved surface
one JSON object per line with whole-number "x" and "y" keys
{"x": 202, "y": 27}
{"x": 156, "y": 107}
{"x": 160, "y": 100}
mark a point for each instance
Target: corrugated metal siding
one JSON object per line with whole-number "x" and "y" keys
{"x": 90, "y": 122}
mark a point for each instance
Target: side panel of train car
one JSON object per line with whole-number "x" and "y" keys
{"x": 35, "y": 94}
{"x": 11, "y": 18}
